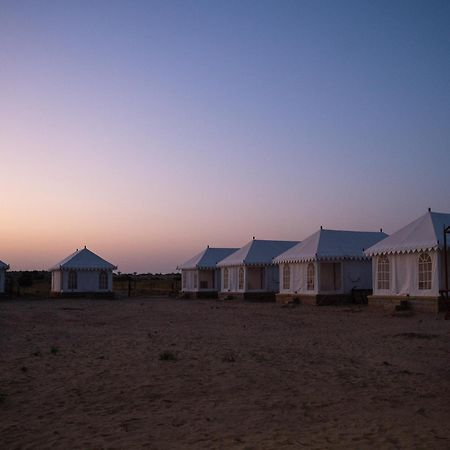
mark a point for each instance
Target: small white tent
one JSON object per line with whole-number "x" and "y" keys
{"x": 250, "y": 272}
{"x": 3, "y": 268}
{"x": 326, "y": 267}
{"x": 83, "y": 272}
{"x": 408, "y": 265}
{"x": 200, "y": 276}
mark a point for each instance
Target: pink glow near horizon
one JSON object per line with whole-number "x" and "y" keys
{"x": 148, "y": 131}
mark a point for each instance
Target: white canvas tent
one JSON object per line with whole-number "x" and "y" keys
{"x": 327, "y": 266}
{"x": 3, "y": 268}
{"x": 83, "y": 272}
{"x": 250, "y": 272}
{"x": 408, "y": 265}
{"x": 200, "y": 276}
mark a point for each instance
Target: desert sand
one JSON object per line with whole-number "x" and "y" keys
{"x": 89, "y": 374}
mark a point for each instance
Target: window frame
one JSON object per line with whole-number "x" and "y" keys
{"x": 226, "y": 278}
{"x": 383, "y": 273}
{"x": 72, "y": 281}
{"x": 286, "y": 276}
{"x": 103, "y": 280}
{"x": 425, "y": 271}
{"x": 241, "y": 279}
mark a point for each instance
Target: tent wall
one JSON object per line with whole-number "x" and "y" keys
{"x": 330, "y": 277}
{"x": 404, "y": 275}
{"x": 298, "y": 278}
{"x": 233, "y": 281}
{"x": 272, "y": 278}
{"x": 87, "y": 281}
{"x": 217, "y": 280}
{"x": 2, "y": 281}
{"x": 207, "y": 280}
{"x": 256, "y": 279}
{"x": 56, "y": 281}
{"x": 352, "y": 275}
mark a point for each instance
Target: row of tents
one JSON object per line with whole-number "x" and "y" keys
{"x": 330, "y": 266}
{"x": 407, "y": 268}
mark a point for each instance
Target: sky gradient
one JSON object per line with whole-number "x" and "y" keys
{"x": 149, "y": 129}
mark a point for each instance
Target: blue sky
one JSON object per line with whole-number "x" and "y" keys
{"x": 148, "y": 130}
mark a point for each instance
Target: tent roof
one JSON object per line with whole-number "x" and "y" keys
{"x": 257, "y": 252}
{"x": 208, "y": 258}
{"x": 3, "y": 265}
{"x": 424, "y": 233}
{"x": 331, "y": 245}
{"x": 84, "y": 259}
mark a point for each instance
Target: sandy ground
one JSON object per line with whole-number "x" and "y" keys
{"x": 88, "y": 374}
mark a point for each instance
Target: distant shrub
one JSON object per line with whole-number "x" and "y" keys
{"x": 167, "y": 356}
{"x": 54, "y": 350}
{"x": 25, "y": 279}
{"x": 229, "y": 357}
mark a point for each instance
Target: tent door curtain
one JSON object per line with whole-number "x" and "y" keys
{"x": 206, "y": 279}
{"x": 255, "y": 278}
{"x": 330, "y": 277}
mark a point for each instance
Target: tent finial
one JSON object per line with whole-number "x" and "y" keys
{"x": 429, "y": 209}
{"x": 253, "y": 237}
{"x": 321, "y": 227}
{"x": 381, "y": 230}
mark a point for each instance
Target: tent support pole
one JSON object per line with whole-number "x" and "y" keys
{"x": 446, "y": 230}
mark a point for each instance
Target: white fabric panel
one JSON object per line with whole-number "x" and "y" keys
{"x": 234, "y": 278}
{"x": 87, "y": 281}
{"x": 56, "y": 281}
{"x": 186, "y": 280}
{"x": 404, "y": 275}
{"x": 299, "y": 279}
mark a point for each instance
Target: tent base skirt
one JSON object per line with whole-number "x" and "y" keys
{"x": 95, "y": 295}
{"x": 418, "y": 304}
{"x": 195, "y": 295}
{"x": 316, "y": 299}
{"x": 250, "y": 296}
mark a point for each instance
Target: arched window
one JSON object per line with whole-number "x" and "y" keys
{"x": 383, "y": 272}
{"x": 286, "y": 276}
{"x": 241, "y": 278}
{"x": 195, "y": 280}
{"x": 310, "y": 276}
{"x": 73, "y": 280}
{"x": 225, "y": 278}
{"x": 424, "y": 271}
{"x": 103, "y": 280}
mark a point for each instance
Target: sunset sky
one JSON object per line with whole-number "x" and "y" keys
{"x": 149, "y": 129}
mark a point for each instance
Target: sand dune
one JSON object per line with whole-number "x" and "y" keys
{"x": 88, "y": 374}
